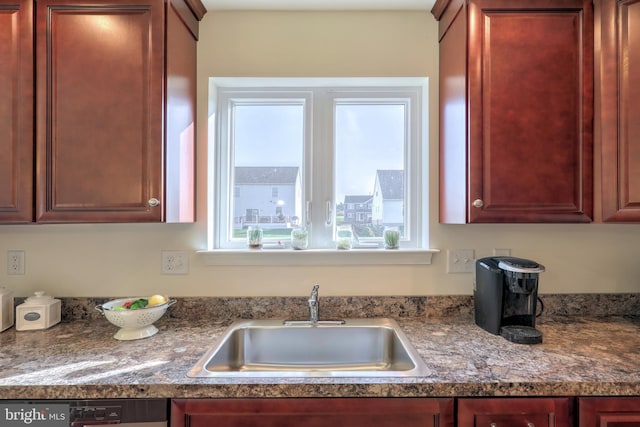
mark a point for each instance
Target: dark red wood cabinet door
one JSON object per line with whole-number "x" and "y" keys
{"x": 530, "y": 83}
{"x": 618, "y": 107}
{"x": 453, "y": 148}
{"x": 515, "y": 412}
{"x": 16, "y": 111}
{"x": 99, "y": 101}
{"x": 180, "y": 141}
{"x": 313, "y": 412}
{"x": 609, "y": 412}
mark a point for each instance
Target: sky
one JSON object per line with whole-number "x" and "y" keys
{"x": 368, "y": 137}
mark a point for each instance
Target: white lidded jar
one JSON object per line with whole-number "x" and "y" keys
{"x": 40, "y": 311}
{"x": 6, "y": 308}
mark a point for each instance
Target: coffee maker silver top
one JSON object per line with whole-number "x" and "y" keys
{"x": 520, "y": 265}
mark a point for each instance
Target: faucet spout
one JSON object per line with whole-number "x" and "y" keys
{"x": 314, "y": 305}
{"x": 314, "y": 313}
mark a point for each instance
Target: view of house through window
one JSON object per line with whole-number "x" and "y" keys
{"x": 268, "y": 144}
{"x": 332, "y": 160}
{"x": 370, "y": 139}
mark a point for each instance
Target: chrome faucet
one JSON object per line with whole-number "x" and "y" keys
{"x": 314, "y": 313}
{"x": 314, "y": 305}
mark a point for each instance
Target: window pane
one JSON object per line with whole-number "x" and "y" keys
{"x": 268, "y": 141}
{"x": 370, "y": 152}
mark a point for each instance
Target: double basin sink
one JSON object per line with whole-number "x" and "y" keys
{"x": 349, "y": 348}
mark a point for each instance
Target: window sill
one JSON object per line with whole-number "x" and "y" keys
{"x": 319, "y": 257}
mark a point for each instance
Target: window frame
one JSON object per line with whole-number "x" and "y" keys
{"x": 224, "y": 159}
{"x": 416, "y": 161}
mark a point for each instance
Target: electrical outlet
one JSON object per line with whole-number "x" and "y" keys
{"x": 15, "y": 263}
{"x": 460, "y": 260}
{"x": 175, "y": 262}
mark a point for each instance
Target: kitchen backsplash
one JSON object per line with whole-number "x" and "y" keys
{"x": 225, "y": 309}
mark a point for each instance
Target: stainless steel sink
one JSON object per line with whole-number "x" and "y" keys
{"x": 271, "y": 348}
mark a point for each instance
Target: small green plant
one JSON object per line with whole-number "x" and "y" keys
{"x": 299, "y": 238}
{"x": 344, "y": 237}
{"x": 254, "y": 237}
{"x": 391, "y": 238}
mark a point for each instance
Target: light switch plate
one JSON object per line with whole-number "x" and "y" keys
{"x": 460, "y": 260}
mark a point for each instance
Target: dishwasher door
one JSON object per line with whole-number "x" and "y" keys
{"x": 81, "y": 413}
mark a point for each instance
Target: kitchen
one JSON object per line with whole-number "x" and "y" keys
{"x": 112, "y": 260}
{"x": 116, "y": 259}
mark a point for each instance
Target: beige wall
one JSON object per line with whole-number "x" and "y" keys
{"x": 124, "y": 259}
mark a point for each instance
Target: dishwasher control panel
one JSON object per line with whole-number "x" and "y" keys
{"x": 87, "y": 415}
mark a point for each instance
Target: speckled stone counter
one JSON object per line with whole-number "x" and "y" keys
{"x": 81, "y": 359}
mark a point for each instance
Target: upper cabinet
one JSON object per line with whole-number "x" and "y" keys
{"x": 16, "y": 111}
{"x": 99, "y": 105}
{"x": 618, "y": 107}
{"x": 114, "y": 107}
{"x": 516, "y": 110}
{"x": 115, "y": 138}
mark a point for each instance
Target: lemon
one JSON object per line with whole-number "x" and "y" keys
{"x": 157, "y": 300}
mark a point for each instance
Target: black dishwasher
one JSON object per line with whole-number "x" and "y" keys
{"x": 79, "y": 413}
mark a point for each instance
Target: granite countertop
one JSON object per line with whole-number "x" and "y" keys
{"x": 81, "y": 359}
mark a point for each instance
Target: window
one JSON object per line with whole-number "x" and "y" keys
{"x": 324, "y": 157}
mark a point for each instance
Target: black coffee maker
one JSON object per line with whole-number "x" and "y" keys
{"x": 505, "y": 294}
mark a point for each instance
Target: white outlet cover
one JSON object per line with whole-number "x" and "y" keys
{"x": 175, "y": 262}
{"x": 460, "y": 261}
{"x": 15, "y": 263}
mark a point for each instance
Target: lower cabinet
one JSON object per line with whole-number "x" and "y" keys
{"x": 408, "y": 412}
{"x": 609, "y": 412}
{"x": 310, "y": 412}
{"x": 515, "y": 412}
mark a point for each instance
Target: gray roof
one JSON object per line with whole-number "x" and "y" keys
{"x": 357, "y": 199}
{"x": 265, "y": 175}
{"x": 391, "y": 184}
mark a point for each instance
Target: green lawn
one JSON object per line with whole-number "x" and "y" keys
{"x": 268, "y": 233}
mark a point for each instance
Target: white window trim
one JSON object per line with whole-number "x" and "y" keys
{"x": 279, "y": 256}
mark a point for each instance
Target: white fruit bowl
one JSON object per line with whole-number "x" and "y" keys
{"x": 133, "y": 324}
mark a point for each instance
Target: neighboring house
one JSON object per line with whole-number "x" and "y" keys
{"x": 267, "y": 196}
{"x": 357, "y": 209}
{"x": 388, "y": 198}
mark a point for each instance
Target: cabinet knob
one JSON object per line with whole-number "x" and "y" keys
{"x": 478, "y": 203}
{"x": 154, "y": 202}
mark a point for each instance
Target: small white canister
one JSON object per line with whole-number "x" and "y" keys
{"x": 6, "y": 308}
{"x": 38, "y": 312}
